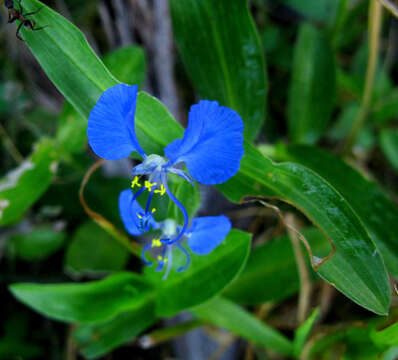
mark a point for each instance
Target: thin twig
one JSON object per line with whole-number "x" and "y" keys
{"x": 9, "y": 145}
{"x": 71, "y": 348}
{"x": 164, "y": 57}
{"x": 222, "y": 348}
{"x": 122, "y": 22}
{"x": 374, "y": 27}
{"x": 305, "y": 279}
{"x": 133, "y": 247}
{"x": 160, "y": 336}
{"x": 106, "y": 20}
{"x": 392, "y": 8}
{"x": 316, "y": 262}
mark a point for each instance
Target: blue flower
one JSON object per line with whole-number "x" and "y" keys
{"x": 211, "y": 148}
{"x": 204, "y": 234}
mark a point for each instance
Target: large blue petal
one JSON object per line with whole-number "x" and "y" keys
{"x": 212, "y": 145}
{"x": 207, "y": 233}
{"x": 128, "y": 212}
{"x": 110, "y": 127}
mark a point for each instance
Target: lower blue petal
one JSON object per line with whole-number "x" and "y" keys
{"x": 110, "y": 127}
{"x": 212, "y": 146}
{"x": 206, "y": 233}
{"x": 129, "y": 208}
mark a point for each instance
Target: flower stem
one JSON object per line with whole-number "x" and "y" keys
{"x": 374, "y": 27}
{"x": 132, "y": 247}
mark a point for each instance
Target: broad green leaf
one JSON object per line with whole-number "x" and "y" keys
{"x": 319, "y": 10}
{"x": 93, "y": 249}
{"x": 313, "y": 86}
{"x": 375, "y": 210}
{"x": 91, "y": 302}
{"x": 387, "y": 336}
{"x": 226, "y": 314}
{"x": 21, "y": 187}
{"x": 38, "y": 244}
{"x": 356, "y": 269}
{"x": 127, "y": 64}
{"x": 206, "y": 276}
{"x": 224, "y": 58}
{"x": 271, "y": 271}
{"x": 81, "y": 77}
{"x": 389, "y": 145}
{"x": 99, "y": 339}
{"x": 154, "y": 125}
{"x": 302, "y": 332}
{"x": 68, "y": 60}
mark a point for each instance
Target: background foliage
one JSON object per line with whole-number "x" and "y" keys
{"x": 310, "y": 268}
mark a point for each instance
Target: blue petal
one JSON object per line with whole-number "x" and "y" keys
{"x": 128, "y": 212}
{"x": 207, "y": 233}
{"x": 110, "y": 127}
{"x": 212, "y": 145}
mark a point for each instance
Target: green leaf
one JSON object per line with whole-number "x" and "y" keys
{"x": 273, "y": 265}
{"x": 224, "y": 59}
{"x": 226, "y": 314}
{"x": 319, "y": 10}
{"x": 92, "y": 302}
{"x": 81, "y": 77}
{"x": 38, "y": 244}
{"x": 127, "y": 64}
{"x": 68, "y": 60}
{"x": 199, "y": 283}
{"x": 99, "y": 339}
{"x": 93, "y": 249}
{"x": 356, "y": 269}
{"x": 313, "y": 86}
{"x": 302, "y": 332}
{"x": 387, "y": 336}
{"x": 389, "y": 145}
{"x": 24, "y": 185}
{"x": 375, "y": 210}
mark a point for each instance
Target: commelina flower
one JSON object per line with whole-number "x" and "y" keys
{"x": 211, "y": 148}
{"x": 203, "y": 236}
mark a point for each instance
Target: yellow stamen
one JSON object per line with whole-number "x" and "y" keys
{"x": 160, "y": 259}
{"x": 153, "y": 210}
{"x": 156, "y": 243}
{"x": 135, "y": 182}
{"x": 148, "y": 185}
{"x": 162, "y": 190}
{"x": 139, "y": 216}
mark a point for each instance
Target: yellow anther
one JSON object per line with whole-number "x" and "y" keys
{"x": 153, "y": 210}
{"x": 160, "y": 259}
{"x": 139, "y": 216}
{"x": 162, "y": 190}
{"x": 156, "y": 243}
{"x": 135, "y": 182}
{"x": 148, "y": 185}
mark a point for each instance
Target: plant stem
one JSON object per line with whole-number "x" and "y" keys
{"x": 131, "y": 246}
{"x": 390, "y": 7}
{"x": 305, "y": 280}
{"x": 9, "y": 145}
{"x": 374, "y": 27}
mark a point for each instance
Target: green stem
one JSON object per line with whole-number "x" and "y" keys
{"x": 374, "y": 27}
